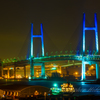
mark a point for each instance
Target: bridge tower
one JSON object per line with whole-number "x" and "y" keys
{"x": 96, "y": 46}
{"x": 32, "y": 63}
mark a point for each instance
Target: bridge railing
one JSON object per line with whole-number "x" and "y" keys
{"x": 15, "y": 59}
{"x": 90, "y": 55}
{"x": 71, "y": 52}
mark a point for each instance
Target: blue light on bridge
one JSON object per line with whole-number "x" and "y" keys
{"x": 83, "y": 33}
{"x": 96, "y": 34}
{"x": 42, "y": 40}
{"x": 31, "y": 40}
{"x": 83, "y": 70}
{"x": 90, "y": 28}
{"x": 37, "y": 36}
{"x": 96, "y": 41}
{"x": 32, "y": 50}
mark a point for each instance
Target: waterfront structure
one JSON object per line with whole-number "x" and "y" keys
{"x": 24, "y": 91}
{"x": 40, "y": 61}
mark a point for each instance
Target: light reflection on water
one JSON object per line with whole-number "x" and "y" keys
{"x": 83, "y": 83}
{"x": 81, "y": 88}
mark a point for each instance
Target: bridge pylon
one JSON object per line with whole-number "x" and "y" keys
{"x": 96, "y": 46}
{"x": 32, "y": 63}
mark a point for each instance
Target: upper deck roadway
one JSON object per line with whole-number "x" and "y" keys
{"x": 53, "y": 58}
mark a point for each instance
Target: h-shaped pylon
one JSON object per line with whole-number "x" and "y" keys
{"x": 32, "y": 51}
{"x": 96, "y": 43}
{"x": 37, "y": 36}
{"x": 91, "y": 28}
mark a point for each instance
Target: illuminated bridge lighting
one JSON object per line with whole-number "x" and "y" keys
{"x": 90, "y": 28}
{"x": 40, "y": 61}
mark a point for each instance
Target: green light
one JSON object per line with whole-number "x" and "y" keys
{"x": 51, "y": 52}
{"x": 55, "y": 85}
{"x": 61, "y": 52}
{"x": 56, "y": 52}
{"x": 74, "y": 97}
{"x": 54, "y": 68}
{"x": 66, "y": 51}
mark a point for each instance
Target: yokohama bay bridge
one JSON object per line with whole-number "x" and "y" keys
{"x": 40, "y": 61}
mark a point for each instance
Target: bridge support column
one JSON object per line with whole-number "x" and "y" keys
{"x": 8, "y": 73}
{"x": 24, "y": 71}
{"x": 97, "y": 71}
{"x": 90, "y": 63}
{"x": 83, "y": 70}
{"x": 14, "y": 71}
{"x": 31, "y": 69}
{"x": 43, "y": 70}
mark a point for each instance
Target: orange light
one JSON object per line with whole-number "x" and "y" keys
{"x": 36, "y": 93}
{"x": 76, "y": 73}
{"x": 92, "y": 67}
{"x": 18, "y": 76}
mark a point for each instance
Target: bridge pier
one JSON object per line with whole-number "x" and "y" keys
{"x": 43, "y": 70}
{"x": 90, "y": 63}
{"x": 31, "y": 69}
{"x": 8, "y": 73}
{"x": 83, "y": 70}
{"x": 97, "y": 71}
{"x": 14, "y": 71}
{"x": 24, "y": 71}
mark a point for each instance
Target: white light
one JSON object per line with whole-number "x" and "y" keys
{"x": 29, "y": 78}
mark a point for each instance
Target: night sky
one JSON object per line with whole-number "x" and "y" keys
{"x": 62, "y": 24}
